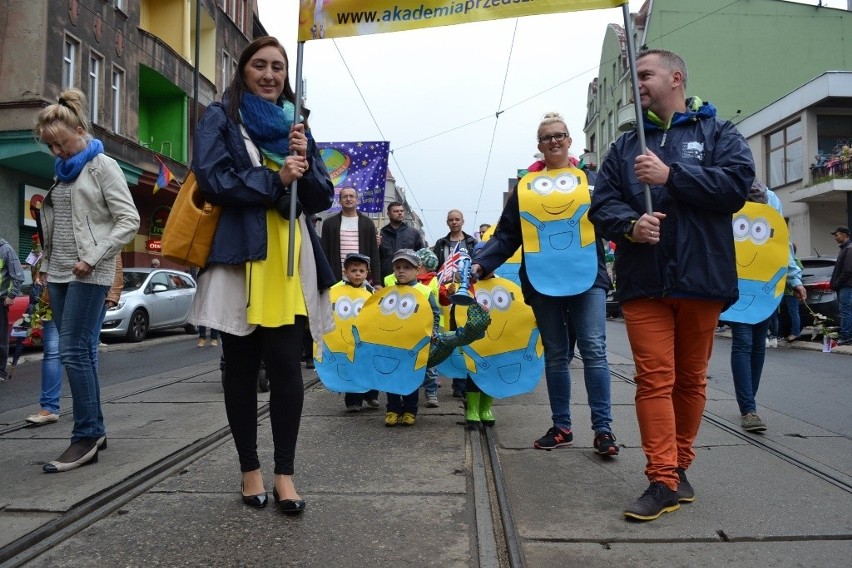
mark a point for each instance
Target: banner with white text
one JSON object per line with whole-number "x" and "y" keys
{"x": 319, "y": 19}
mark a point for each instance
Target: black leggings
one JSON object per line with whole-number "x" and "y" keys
{"x": 280, "y": 348}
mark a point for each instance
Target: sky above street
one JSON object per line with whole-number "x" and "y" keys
{"x": 435, "y": 95}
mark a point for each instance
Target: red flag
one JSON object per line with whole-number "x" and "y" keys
{"x": 164, "y": 177}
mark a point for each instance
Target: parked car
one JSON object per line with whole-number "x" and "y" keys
{"x": 20, "y": 304}
{"x": 151, "y": 298}
{"x": 816, "y": 274}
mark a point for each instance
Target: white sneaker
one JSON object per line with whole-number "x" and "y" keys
{"x": 773, "y": 342}
{"x": 432, "y": 401}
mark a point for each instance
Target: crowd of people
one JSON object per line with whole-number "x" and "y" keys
{"x": 252, "y": 155}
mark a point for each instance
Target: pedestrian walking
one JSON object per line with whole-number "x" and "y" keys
{"x": 676, "y": 268}
{"x": 396, "y": 235}
{"x": 443, "y": 249}
{"x": 556, "y": 312}
{"x": 748, "y": 340}
{"x": 248, "y": 151}
{"x": 841, "y": 282}
{"x": 87, "y": 216}
{"x": 11, "y": 278}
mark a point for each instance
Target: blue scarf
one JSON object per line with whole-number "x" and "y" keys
{"x": 268, "y": 125}
{"x": 68, "y": 170}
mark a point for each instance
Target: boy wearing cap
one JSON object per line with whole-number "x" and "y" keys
{"x": 403, "y": 408}
{"x": 356, "y": 267}
{"x": 841, "y": 282}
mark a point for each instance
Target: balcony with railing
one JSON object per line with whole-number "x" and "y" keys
{"x": 834, "y": 167}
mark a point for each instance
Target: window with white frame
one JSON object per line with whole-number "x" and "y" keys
{"x": 784, "y": 155}
{"x": 95, "y": 63}
{"x": 69, "y": 63}
{"x": 117, "y": 91}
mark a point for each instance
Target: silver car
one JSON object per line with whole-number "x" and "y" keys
{"x": 152, "y": 298}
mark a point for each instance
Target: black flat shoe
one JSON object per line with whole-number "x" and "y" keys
{"x": 289, "y": 506}
{"x": 79, "y": 453}
{"x": 258, "y": 501}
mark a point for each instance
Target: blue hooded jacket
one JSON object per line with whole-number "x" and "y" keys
{"x": 711, "y": 172}
{"x": 227, "y": 177}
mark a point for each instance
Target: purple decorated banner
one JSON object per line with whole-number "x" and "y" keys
{"x": 362, "y": 166}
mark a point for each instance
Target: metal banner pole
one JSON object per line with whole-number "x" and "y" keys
{"x": 637, "y": 103}
{"x": 293, "y": 195}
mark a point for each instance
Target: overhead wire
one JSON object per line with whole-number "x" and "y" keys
{"x": 496, "y": 121}
{"x": 408, "y": 187}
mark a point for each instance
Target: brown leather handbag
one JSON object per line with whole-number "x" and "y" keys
{"x": 188, "y": 235}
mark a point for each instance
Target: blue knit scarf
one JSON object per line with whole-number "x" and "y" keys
{"x": 268, "y": 125}
{"x": 68, "y": 170}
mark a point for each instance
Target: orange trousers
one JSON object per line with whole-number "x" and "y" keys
{"x": 671, "y": 339}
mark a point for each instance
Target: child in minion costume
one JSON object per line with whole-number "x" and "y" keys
{"x": 333, "y": 360}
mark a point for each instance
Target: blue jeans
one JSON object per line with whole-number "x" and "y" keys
{"x": 51, "y": 368}
{"x": 78, "y": 311}
{"x": 51, "y": 365}
{"x": 430, "y": 383}
{"x": 844, "y": 298}
{"x": 202, "y": 333}
{"x": 586, "y": 312}
{"x": 748, "y": 350}
{"x": 792, "y": 303}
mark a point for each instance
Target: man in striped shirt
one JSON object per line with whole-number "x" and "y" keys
{"x": 350, "y": 232}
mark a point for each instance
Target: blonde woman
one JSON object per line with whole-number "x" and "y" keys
{"x": 88, "y": 215}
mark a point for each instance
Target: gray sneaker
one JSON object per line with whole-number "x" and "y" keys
{"x": 751, "y": 422}
{"x": 432, "y": 401}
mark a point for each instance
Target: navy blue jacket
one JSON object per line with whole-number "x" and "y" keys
{"x": 226, "y": 177}
{"x": 507, "y": 238}
{"x": 711, "y": 172}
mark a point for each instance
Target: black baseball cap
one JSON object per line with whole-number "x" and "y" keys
{"x": 840, "y": 230}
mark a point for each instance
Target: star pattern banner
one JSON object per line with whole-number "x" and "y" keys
{"x": 362, "y": 166}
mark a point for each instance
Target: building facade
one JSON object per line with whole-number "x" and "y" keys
{"x": 765, "y": 65}
{"x": 741, "y": 56}
{"x": 136, "y": 62}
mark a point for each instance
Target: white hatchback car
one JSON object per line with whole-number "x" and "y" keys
{"x": 152, "y": 298}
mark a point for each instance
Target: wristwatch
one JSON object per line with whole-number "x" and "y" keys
{"x": 628, "y": 230}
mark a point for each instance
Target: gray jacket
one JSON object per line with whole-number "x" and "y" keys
{"x": 102, "y": 210}
{"x": 11, "y": 273}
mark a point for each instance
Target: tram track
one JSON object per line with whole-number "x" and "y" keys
{"x": 498, "y": 542}
{"x": 100, "y": 505}
{"x": 779, "y": 451}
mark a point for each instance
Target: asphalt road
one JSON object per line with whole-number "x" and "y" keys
{"x": 119, "y": 362}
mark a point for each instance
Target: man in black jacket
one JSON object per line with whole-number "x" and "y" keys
{"x": 841, "y": 282}
{"x": 349, "y": 232}
{"x": 676, "y": 266}
{"x": 396, "y": 235}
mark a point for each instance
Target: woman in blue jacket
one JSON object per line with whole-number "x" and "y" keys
{"x": 248, "y": 150}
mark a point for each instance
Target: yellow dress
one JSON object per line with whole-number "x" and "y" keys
{"x": 274, "y": 298}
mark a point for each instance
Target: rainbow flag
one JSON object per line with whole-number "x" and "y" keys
{"x": 164, "y": 177}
